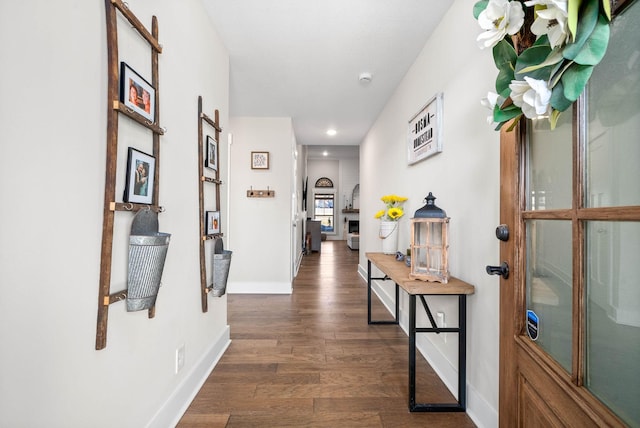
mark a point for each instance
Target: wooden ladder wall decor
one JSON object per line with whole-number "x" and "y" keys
{"x": 215, "y": 124}
{"x": 115, "y": 108}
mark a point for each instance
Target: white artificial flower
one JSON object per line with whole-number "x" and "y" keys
{"x": 490, "y": 102}
{"x": 501, "y": 17}
{"x": 532, "y": 96}
{"x": 551, "y": 20}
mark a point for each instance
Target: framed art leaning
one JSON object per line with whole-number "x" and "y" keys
{"x": 211, "y": 161}
{"x": 136, "y": 93}
{"x": 140, "y": 177}
{"x": 213, "y": 222}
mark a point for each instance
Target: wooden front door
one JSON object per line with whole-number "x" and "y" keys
{"x": 570, "y": 308}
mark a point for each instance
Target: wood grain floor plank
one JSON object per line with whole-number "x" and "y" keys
{"x": 311, "y": 360}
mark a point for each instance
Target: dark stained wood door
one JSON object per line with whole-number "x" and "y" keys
{"x": 572, "y": 204}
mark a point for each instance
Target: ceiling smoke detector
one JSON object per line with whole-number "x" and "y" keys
{"x": 365, "y": 78}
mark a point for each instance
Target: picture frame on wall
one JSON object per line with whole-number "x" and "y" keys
{"x": 213, "y": 222}
{"x": 139, "y": 185}
{"x": 259, "y": 160}
{"x": 136, "y": 93}
{"x": 424, "y": 133}
{"x": 211, "y": 161}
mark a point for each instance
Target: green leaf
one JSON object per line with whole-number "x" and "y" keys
{"x": 505, "y": 76}
{"x": 553, "y": 58}
{"x": 596, "y": 45}
{"x": 504, "y": 55}
{"x": 588, "y": 21}
{"x": 606, "y": 7}
{"x": 572, "y": 19}
{"x": 479, "y": 7}
{"x": 558, "y": 72}
{"x": 505, "y": 114}
{"x": 530, "y": 59}
{"x": 575, "y": 79}
{"x": 553, "y": 120}
{"x": 558, "y": 101}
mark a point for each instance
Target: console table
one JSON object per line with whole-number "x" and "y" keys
{"x": 398, "y": 272}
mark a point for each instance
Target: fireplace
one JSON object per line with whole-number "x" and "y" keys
{"x": 353, "y": 237}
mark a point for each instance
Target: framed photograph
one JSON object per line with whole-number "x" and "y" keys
{"x": 212, "y": 154}
{"x": 136, "y": 93}
{"x": 213, "y": 222}
{"x": 424, "y": 136}
{"x": 141, "y": 169}
{"x": 259, "y": 160}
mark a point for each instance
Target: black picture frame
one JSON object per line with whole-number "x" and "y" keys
{"x": 212, "y": 222}
{"x": 143, "y": 101}
{"x": 211, "y": 161}
{"x": 140, "y": 181}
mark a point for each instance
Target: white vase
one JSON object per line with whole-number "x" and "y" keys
{"x": 389, "y": 236}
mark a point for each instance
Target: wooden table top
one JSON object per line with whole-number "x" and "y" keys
{"x": 399, "y": 273}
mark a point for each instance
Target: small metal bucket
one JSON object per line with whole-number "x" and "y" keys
{"x": 221, "y": 264}
{"x": 147, "y": 254}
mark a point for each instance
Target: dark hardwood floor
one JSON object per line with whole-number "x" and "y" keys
{"x": 311, "y": 360}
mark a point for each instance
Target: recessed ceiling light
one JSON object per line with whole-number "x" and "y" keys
{"x": 325, "y": 153}
{"x": 331, "y": 132}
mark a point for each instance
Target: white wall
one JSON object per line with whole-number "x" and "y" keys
{"x": 53, "y": 113}
{"x": 261, "y": 228}
{"x": 465, "y": 180}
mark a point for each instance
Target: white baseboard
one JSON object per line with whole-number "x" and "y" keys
{"x": 259, "y": 288}
{"x": 172, "y": 410}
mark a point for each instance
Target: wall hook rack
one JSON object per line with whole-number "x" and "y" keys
{"x": 261, "y": 193}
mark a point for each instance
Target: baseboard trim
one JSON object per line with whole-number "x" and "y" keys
{"x": 178, "y": 402}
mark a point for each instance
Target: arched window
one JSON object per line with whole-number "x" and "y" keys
{"x": 324, "y": 182}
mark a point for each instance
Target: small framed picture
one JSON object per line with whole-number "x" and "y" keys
{"x": 140, "y": 175}
{"x": 212, "y": 154}
{"x": 136, "y": 93}
{"x": 259, "y": 160}
{"x": 213, "y": 222}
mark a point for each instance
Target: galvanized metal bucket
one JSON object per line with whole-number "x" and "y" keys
{"x": 147, "y": 254}
{"x": 221, "y": 264}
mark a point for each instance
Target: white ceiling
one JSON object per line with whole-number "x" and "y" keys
{"x": 303, "y": 58}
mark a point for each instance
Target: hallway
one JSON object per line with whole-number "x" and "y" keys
{"x": 310, "y": 360}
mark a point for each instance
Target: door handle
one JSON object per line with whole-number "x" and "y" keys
{"x": 503, "y": 270}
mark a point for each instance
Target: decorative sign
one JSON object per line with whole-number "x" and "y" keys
{"x": 424, "y": 136}
{"x": 532, "y": 325}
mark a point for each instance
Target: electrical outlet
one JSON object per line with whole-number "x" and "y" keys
{"x": 441, "y": 324}
{"x": 179, "y": 358}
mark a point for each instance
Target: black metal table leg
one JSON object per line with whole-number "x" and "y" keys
{"x": 462, "y": 350}
{"x": 460, "y": 405}
{"x": 396, "y": 319}
{"x": 412, "y": 352}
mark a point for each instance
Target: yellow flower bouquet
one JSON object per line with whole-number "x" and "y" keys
{"x": 393, "y": 210}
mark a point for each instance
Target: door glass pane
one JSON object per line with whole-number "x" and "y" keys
{"x": 613, "y": 316}
{"x": 550, "y": 157}
{"x": 613, "y": 152}
{"x": 549, "y": 284}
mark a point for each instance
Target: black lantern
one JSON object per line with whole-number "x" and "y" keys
{"x": 430, "y": 243}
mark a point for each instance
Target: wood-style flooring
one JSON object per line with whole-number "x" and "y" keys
{"x": 311, "y": 360}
